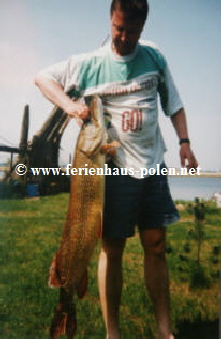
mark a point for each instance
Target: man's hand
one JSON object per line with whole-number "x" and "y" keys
{"x": 54, "y": 92}
{"x": 187, "y": 156}
{"x": 78, "y": 110}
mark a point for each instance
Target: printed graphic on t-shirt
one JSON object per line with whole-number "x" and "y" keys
{"x": 132, "y": 121}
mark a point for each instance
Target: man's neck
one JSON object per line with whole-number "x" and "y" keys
{"x": 120, "y": 57}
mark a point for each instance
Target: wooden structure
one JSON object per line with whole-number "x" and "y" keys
{"x": 41, "y": 151}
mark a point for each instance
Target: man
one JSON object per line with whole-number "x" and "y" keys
{"x": 127, "y": 75}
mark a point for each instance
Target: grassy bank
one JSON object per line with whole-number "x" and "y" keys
{"x": 30, "y": 234}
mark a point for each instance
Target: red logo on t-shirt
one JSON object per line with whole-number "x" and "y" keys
{"x": 132, "y": 121}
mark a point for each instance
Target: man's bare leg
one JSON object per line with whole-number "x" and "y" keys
{"x": 157, "y": 279}
{"x": 110, "y": 283}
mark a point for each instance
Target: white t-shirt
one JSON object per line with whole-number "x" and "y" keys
{"x": 128, "y": 86}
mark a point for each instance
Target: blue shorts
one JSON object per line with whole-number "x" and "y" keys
{"x": 131, "y": 202}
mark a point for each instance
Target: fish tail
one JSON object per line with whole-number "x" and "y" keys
{"x": 58, "y": 323}
{"x": 64, "y": 321}
{"x": 71, "y": 323}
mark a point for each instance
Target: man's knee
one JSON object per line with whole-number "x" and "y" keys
{"x": 153, "y": 241}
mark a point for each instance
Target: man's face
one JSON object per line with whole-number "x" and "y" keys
{"x": 125, "y": 34}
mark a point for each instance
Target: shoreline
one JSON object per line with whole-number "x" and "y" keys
{"x": 178, "y": 172}
{"x": 202, "y": 175}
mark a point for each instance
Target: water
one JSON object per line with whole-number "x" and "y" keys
{"x": 187, "y": 188}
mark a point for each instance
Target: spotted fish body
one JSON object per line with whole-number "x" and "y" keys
{"x": 83, "y": 223}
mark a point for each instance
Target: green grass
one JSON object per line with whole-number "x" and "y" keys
{"x": 30, "y": 234}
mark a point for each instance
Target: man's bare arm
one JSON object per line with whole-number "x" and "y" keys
{"x": 180, "y": 124}
{"x": 54, "y": 92}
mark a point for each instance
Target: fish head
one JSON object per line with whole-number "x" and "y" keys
{"x": 96, "y": 109}
{"x": 93, "y": 133}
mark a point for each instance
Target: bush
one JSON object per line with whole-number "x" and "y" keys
{"x": 186, "y": 247}
{"x": 198, "y": 277}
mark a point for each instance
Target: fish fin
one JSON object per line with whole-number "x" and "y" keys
{"x": 64, "y": 321}
{"x": 54, "y": 280}
{"x": 82, "y": 286}
{"x": 111, "y": 148}
{"x": 100, "y": 229}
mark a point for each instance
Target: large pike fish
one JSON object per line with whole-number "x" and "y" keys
{"x": 83, "y": 223}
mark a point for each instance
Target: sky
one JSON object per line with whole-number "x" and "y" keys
{"x": 37, "y": 33}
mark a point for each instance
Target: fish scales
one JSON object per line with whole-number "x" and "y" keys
{"x": 83, "y": 223}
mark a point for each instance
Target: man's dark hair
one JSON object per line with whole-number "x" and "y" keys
{"x": 135, "y": 9}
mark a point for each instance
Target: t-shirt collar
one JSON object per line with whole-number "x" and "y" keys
{"x": 123, "y": 58}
